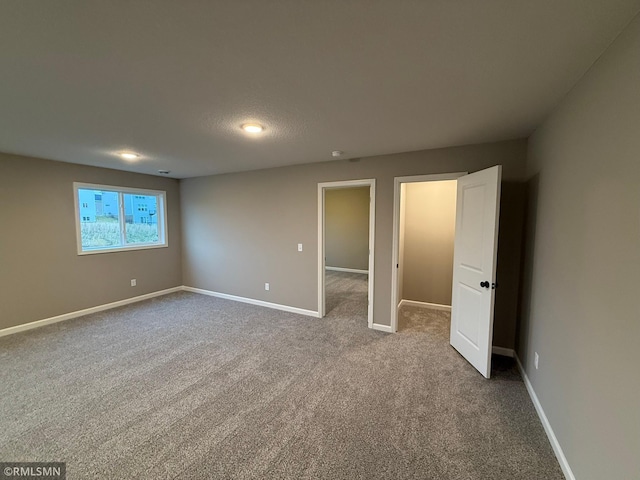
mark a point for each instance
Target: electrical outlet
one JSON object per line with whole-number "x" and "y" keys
{"x": 133, "y": 282}
{"x": 299, "y": 247}
{"x": 536, "y": 359}
{"x": 266, "y": 286}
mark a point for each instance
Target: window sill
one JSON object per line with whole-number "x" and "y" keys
{"x": 121, "y": 249}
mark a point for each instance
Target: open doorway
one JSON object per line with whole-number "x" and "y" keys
{"x": 346, "y": 225}
{"x": 424, "y": 228}
{"x": 474, "y": 253}
{"x": 427, "y": 226}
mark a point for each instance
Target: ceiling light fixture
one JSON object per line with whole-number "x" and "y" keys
{"x": 252, "y": 127}
{"x": 129, "y": 155}
{"x": 336, "y": 153}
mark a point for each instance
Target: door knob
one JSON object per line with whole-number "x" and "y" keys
{"x": 485, "y": 284}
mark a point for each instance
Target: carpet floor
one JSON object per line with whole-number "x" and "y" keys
{"x": 196, "y": 387}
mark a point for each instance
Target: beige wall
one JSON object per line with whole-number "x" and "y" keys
{"x": 401, "y": 230}
{"x": 429, "y": 227}
{"x": 241, "y": 230}
{"x": 347, "y": 227}
{"x": 580, "y": 308}
{"x": 41, "y": 274}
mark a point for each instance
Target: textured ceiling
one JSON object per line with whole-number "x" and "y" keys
{"x": 173, "y": 80}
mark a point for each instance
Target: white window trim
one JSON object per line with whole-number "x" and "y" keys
{"x": 163, "y": 227}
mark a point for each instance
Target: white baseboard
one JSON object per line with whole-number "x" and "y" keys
{"x": 557, "y": 449}
{"x": 86, "y": 311}
{"x": 382, "y": 328}
{"x": 261, "y": 303}
{"x": 348, "y": 270}
{"x": 433, "y": 306}
{"x": 505, "y": 352}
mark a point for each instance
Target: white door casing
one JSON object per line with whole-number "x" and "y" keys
{"x": 474, "y": 266}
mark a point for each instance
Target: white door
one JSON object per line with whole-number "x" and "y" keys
{"x": 474, "y": 266}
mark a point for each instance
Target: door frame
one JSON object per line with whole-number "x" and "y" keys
{"x": 395, "y": 252}
{"x": 322, "y": 187}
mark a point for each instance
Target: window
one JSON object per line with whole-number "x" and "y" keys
{"x": 112, "y": 219}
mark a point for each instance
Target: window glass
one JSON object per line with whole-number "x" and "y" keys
{"x": 141, "y": 218}
{"x": 117, "y": 218}
{"x": 99, "y": 211}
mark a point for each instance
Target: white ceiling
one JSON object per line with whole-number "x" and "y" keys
{"x": 173, "y": 80}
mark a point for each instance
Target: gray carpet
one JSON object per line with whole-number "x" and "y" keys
{"x": 346, "y": 289}
{"x": 189, "y": 386}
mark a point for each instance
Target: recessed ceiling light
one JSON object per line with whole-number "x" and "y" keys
{"x": 129, "y": 155}
{"x": 252, "y": 127}
{"x": 336, "y": 153}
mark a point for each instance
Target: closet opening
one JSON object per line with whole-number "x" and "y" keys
{"x": 424, "y": 237}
